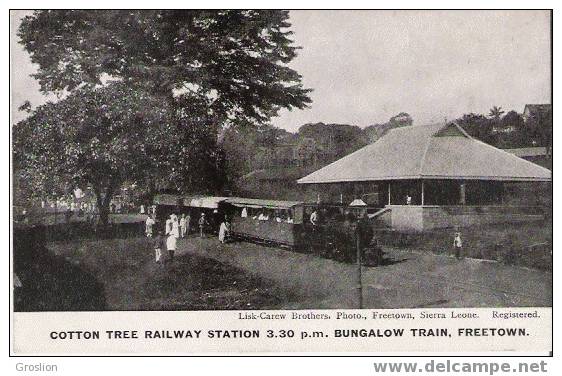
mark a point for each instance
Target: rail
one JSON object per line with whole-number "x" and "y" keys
{"x": 379, "y": 213}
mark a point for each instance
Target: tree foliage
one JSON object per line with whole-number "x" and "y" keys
{"x": 336, "y": 140}
{"x": 376, "y": 131}
{"x": 511, "y": 130}
{"x": 478, "y": 126}
{"x": 232, "y": 63}
{"x": 496, "y": 113}
{"x": 145, "y": 94}
{"x": 99, "y": 138}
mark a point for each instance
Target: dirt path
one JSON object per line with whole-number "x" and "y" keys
{"x": 408, "y": 280}
{"x": 428, "y": 280}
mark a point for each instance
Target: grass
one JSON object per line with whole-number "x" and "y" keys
{"x": 120, "y": 274}
{"x": 125, "y": 271}
{"x": 524, "y": 244}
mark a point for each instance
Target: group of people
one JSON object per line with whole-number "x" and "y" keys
{"x": 183, "y": 224}
{"x": 176, "y": 228}
{"x": 266, "y": 216}
{"x": 167, "y": 239}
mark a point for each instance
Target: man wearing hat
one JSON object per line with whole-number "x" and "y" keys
{"x": 202, "y": 222}
{"x": 457, "y": 243}
{"x": 173, "y": 233}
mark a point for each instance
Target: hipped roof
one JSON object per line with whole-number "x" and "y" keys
{"x": 428, "y": 152}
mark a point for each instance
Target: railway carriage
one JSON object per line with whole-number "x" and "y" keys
{"x": 277, "y": 222}
{"x": 167, "y": 204}
{"x": 266, "y": 221}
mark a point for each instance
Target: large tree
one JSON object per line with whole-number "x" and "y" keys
{"x": 478, "y": 126}
{"x": 96, "y": 138}
{"x": 144, "y": 93}
{"x": 232, "y": 62}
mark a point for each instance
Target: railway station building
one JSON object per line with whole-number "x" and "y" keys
{"x": 435, "y": 176}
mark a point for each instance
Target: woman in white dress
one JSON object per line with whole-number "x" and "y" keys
{"x": 173, "y": 233}
{"x": 149, "y": 224}
{"x": 224, "y": 229}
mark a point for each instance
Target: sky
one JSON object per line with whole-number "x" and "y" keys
{"x": 367, "y": 66}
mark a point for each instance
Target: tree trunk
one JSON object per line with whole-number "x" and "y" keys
{"x": 152, "y": 191}
{"x": 103, "y": 202}
{"x": 104, "y": 215}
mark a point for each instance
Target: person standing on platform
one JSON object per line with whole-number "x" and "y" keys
{"x": 457, "y": 243}
{"x": 182, "y": 226}
{"x": 202, "y": 223}
{"x": 159, "y": 244}
{"x": 149, "y": 225}
{"x": 314, "y": 218}
{"x": 168, "y": 227}
{"x": 187, "y": 223}
{"x": 173, "y": 233}
{"x": 316, "y": 239}
{"x": 224, "y": 230}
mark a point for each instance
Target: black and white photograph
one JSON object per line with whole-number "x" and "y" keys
{"x": 303, "y": 160}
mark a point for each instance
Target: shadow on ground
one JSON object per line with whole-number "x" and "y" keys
{"x": 51, "y": 283}
{"x": 121, "y": 275}
{"x": 389, "y": 260}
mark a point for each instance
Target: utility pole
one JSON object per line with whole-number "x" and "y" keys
{"x": 422, "y": 193}
{"x": 389, "y": 193}
{"x": 359, "y": 270}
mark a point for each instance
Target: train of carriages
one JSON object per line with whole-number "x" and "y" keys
{"x": 340, "y": 229}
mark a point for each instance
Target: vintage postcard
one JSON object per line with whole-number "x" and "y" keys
{"x": 224, "y": 182}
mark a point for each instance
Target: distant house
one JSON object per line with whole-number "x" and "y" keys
{"x": 274, "y": 182}
{"x": 285, "y": 155}
{"x": 537, "y": 111}
{"x": 539, "y": 118}
{"x": 539, "y": 155}
{"x": 305, "y": 152}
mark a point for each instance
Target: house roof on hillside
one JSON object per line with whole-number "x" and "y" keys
{"x": 291, "y": 173}
{"x": 537, "y": 107}
{"x": 538, "y": 151}
{"x": 436, "y": 151}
